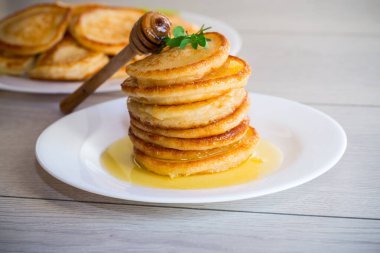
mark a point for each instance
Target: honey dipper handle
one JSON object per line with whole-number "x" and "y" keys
{"x": 146, "y": 37}
{"x": 69, "y": 103}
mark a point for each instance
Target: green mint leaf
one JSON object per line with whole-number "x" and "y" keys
{"x": 194, "y": 44}
{"x": 181, "y": 39}
{"x": 202, "y": 41}
{"x": 178, "y": 31}
{"x": 175, "y": 42}
{"x": 184, "y": 42}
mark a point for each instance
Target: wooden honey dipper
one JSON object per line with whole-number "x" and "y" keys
{"x": 146, "y": 37}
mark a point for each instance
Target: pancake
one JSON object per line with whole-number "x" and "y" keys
{"x": 188, "y": 115}
{"x": 160, "y": 152}
{"x": 232, "y": 74}
{"x": 68, "y": 61}
{"x": 34, "y": 29}
{"x": 15, "y": 65}
{"x": 104, "y": 28}
{"x": 218, "y": 127}
{"x": 210, "y": 142}
{"x": 177, "y": 65}
{"x": 173, "y": 100}
{"x": 215, "y": 163}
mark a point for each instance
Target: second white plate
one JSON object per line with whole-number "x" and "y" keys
{"x": 311, "y": 143}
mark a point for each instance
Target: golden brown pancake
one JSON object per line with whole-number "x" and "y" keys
{"x": 232, "y": 74}
{"x": 68, "y": 61}
{"x": 190, "y": 115}
{"x": 218, "y": 127}
{"x": 178, "y": 65}
{"x": 216, "y": 163}
{"x": 160, "y": 152}
{"x": 176, "y": 100}
{"x": 104, "y": 28}
{"x": 204, "y": 143}
{"x": 15, "y": 65}
{"x": 34, "y": 29}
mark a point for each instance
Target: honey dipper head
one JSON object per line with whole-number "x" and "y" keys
{"x": 148, "y": 32}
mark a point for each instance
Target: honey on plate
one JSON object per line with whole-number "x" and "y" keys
{"x": 118, "y": 160}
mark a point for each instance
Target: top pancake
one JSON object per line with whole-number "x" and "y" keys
{"x": 103, "y": 28}
{"x": 178, "y": 65}
{"x": 34, "y": 29}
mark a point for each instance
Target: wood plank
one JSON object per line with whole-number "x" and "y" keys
{"x": 350, "y": 189}
{"x": 275, "y": 16}
{"x": 55, "y": 226}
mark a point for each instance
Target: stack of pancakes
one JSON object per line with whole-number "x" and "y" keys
{"x": 59, "y": 41}
{"x": 188, "y": 110}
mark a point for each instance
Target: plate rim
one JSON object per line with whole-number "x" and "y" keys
{"x": 193, "y": 200}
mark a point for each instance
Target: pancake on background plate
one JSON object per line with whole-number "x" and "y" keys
{"x": 68, "y": 61}
{"x": 15, "y": 65}
{"x": 34, "y": 29}
{"x": 104, "y": 28}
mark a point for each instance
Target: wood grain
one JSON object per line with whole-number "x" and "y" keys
{"x": 54, "y": 226}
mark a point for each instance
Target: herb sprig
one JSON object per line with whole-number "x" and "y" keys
{"x": 181, "y": 39}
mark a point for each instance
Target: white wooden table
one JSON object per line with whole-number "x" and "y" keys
{"x": 323, "y": 53}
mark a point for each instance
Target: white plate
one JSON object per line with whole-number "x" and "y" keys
{"x": 311, "y": 142}
{"x": 21, "y": 84}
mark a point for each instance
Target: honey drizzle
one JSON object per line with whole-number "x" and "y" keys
{"x": 118, "y": 161}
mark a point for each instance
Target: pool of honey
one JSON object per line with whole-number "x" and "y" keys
{"x": 118, "y": 160}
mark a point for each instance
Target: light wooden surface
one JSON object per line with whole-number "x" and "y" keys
{"x": 322, "y": 53}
